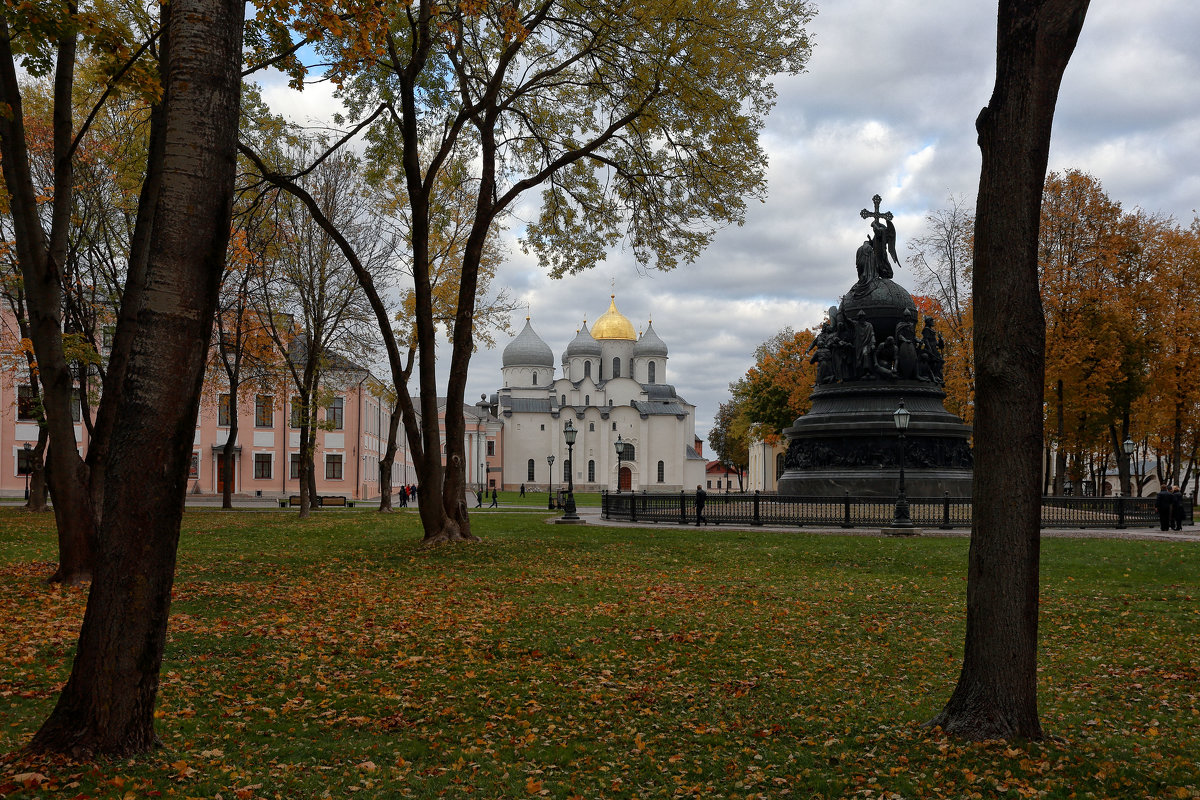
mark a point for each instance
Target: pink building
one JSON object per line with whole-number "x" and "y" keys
{"x": 347, "y": 454}
{"x": 348, "y": 447}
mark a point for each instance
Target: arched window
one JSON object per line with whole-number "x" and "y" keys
{"x": 587, "y": 369}
{"x": 650, "y": 371}
{"x": 591, "y": 426}
{"x": 631, "y": 372}
{"x": 616, "y": 367}
{"x": 566, "y": 469}
{"x": 529, "y": 470}
{"x": 591, "y": 472}
{"x": 563, "y": 402}
{"x": 535, "y": 378}
{"x": 662, "y": 472}
{"x": 630, "y": 454}
{"x": 587, "y": 399}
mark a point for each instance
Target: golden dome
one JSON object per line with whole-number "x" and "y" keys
{"x": 612, "y": 324}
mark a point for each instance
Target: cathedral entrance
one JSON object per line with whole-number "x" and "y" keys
{"x": 625, "y": 479}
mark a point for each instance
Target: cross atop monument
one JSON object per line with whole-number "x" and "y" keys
{"x": 876, "y": 213}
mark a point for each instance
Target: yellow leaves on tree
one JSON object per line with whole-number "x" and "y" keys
{"x": 776, "y": 389}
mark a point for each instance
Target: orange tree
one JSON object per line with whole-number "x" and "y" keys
{"x": 1098, "y": 268}
{"x": 776, "y": 389}
{"x": 1167, "y": 414}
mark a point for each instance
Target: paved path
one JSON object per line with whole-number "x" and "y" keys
{"x": 591, "y": 516}
{"x": 1188, "y": 534}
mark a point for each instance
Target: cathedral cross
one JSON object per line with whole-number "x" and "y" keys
{"x": 876, "y": 213}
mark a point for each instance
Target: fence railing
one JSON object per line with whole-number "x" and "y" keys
{"x": 946, "y": 512}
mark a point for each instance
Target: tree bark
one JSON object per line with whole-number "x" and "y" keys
{"x": 107, "y": 705}
{"x": 996, "y": 695}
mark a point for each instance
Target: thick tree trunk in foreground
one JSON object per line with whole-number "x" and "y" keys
{"x": 107, "y": 705}
{"x": 996, "y": 695}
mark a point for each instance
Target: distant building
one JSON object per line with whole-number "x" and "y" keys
{"x": 719, "y": 476}
{"x": 765, "y": 465}
{"x": 612, "y": 385}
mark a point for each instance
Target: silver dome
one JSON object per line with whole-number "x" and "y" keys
{"x": 650, "y": 344}
{"x": 527, "y": 350}
{"x": 582, "y": 345}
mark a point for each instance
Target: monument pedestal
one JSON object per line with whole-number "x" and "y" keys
{"x": 848, "y": 443}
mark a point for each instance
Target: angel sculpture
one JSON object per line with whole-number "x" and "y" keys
{"x": 871, "y": 261}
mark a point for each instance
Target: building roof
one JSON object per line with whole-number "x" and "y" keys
{"x": 650, "y": 344}
{"x": 527, "y": 350}
{"x": 584, "y": 344}
{"x": 525, "y": 405}
{"x": 659, "y": 408}
{"x": 613, "y": 324}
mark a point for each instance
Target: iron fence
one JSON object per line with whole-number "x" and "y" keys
{"x": 946, "y": 512}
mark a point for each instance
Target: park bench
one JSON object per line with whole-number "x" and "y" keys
{"x": 319, "y": 501}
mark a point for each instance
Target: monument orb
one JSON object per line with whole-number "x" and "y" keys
{"x": 869, "y": 357}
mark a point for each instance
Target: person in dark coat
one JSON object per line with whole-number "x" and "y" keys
{"x": 522, "y": 490}
{"x": 479, "y": 498}
{"x": 1176, "y": 508}
{"x": 1164, "y": 504}
{"x": 495, "y": 501}
{"x": 701, "y": 495}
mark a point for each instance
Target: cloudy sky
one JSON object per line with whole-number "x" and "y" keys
{"x": 887, "y": 106}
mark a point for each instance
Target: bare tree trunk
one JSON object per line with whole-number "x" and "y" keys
{"x": 107, "y": 705}
{"x": 306, "y": 461}
{"x": 1060, "y": 453}
{"x": 37, "y": 473}
{"x": 1047, "y": 472}
{"x": 40, "y": 256}
{"x": 388, "y": 462}
{"x": 996, "y": 695}
{"x": 227, "y": 452}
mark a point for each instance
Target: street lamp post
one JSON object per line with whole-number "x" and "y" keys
{"x": 620, "y": 447}
{"x": 28, "y": 467}
{"x": 900, "y": 417}
{"x": 550, "y": 500}
{"x": 569, "y": 434}
{"x": 1128, "y": 446}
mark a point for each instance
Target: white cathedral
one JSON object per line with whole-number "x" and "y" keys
{"x": 613, "y": 386}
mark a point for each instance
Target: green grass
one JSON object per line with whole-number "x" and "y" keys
{"x": 336, "y": 656}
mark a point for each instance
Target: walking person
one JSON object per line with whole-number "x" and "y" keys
{"x": 1164, "y": 504}
{"x": 479, "y": 498}
{"x": 1176, "y": 508}
{"x": 495, "y": 501}
{"x": 701, "y": 496}
{"x": 522, "y": 490}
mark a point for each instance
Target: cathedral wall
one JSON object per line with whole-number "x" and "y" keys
{"x": 641, "y": 369}
{"x": 619, "y": 349}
